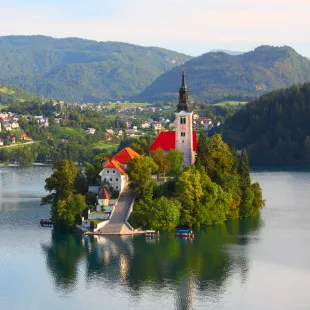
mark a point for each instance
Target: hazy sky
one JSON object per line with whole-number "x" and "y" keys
{"x": 189, "y": 26}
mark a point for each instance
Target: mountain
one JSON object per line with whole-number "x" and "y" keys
{"x": 219, "y": 76}
{"x": 11, "y": 94}
{"x": 75, "y": 69}
{"x": 227, "y": 52}
{"x": 274, "y": 128}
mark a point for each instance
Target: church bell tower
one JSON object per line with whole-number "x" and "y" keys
{"x": 184, "y": 126}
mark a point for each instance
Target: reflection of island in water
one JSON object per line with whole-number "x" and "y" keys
{"x": 204, "y": 263}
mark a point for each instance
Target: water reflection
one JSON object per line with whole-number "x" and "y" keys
{"x": 186, "y": 267}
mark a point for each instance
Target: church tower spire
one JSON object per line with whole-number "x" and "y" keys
{"x": 183, "y": 96}
{"x": 184, "y": 126}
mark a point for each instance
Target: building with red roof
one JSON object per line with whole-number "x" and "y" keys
{"x": 103, "y": 199}
{"x": 166, "y": 141}
{"x": 114, "y": 170}
{"x": 183, "y": 139}
{"x": 125, "y": 156}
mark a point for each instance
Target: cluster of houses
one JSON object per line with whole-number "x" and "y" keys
{"x": 9, "y": 122}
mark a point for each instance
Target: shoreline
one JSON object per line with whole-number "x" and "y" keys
{"x": 21, "y": 165}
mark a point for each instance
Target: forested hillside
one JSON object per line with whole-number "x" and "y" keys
{"x": 12, "y": 94}
{"x": 74, "y": 69}
{"x": 275, "y": 128}
{"x": 218, "y": 76}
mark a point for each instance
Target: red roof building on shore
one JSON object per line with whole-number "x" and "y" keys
{"x": 166, "y": 141}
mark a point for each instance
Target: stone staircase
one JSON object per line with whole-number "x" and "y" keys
{"x": 117, "y": 224}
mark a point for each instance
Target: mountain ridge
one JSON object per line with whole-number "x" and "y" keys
{"x": 77, "y": 69}
{"x": 217, "y": 76}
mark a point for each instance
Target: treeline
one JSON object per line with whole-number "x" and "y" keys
{"x": 274, "y": 128}
{"x": 218, "y": 187}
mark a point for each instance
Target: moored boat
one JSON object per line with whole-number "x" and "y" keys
{"x": 187, "y": 233}
{"x": 46, "y": 222}
{"x": 151, "y": 234}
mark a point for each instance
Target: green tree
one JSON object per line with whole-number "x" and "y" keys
{"x": 140, "y": 171}
{"x": 176, "y": 159}
{"x": 202, "y": 152}
{"x": 161, "y": 161}
{"x": 65, "y": 203}
{"x": 189, "y": 191}
{"x": 244, "y": 170}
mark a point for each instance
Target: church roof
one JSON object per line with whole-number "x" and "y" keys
{"x": 125, "y": 155}
{"x": 104, "y": 194}
{"x": 117, "y": 165}
{"x": 166, "y": 141}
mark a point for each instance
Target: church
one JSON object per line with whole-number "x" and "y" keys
{"x": 183, "y": 139}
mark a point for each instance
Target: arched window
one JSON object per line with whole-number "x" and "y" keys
{"x": 183, "y": 120}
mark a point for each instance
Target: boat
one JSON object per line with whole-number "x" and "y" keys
{"x": 151, "y": 234}
{"x": 187, "y": 233}
{"x": 46, "y": 222}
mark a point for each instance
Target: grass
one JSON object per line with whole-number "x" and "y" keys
{"x": 109, "y": 146}
{"x": 230, "y": 103}
{"x": 96, "y": 221}
{"x": 3, "y": 107}
{"x": 5, "y": 90}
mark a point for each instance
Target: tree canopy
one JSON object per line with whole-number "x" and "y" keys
{"x": 274, "y": 128}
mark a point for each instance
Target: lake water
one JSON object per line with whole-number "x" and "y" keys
{"x": 257, "y": 263}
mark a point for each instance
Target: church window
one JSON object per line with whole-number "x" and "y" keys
{"x": 183, "y": 120}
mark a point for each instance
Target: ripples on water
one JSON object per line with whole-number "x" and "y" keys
{"x": 257, "y": 263}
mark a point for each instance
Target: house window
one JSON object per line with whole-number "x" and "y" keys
{"x": 182, "y": 134}
{"x": 104, "y": 179}
{"x": 113, "y": 171}
{"x": 116, "y": 187}
{"x": 108, "y": 171}
{"x": 183, "y": 120}
{"x": 116, "y": 179}
{"x": 111, "y": 179}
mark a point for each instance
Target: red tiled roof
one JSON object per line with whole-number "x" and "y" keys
{"x": 125, "y": 155}
{"x": 117, "y": 165}
{"x": 104, "y": 194}
{"x": 166, "y": 141}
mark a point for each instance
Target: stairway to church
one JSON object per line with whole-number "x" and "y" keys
{"x": 117, "y": 224}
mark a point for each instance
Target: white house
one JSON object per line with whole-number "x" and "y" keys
{"x": 103, "y": 199}
{"x": 114, "y": 173}
{"x": 114, "y": 170}
{"x": 156, "y": 125}
{"x": 90, "y": 131}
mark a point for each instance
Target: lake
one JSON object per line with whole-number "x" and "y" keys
{"x": 257, "y": 263}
